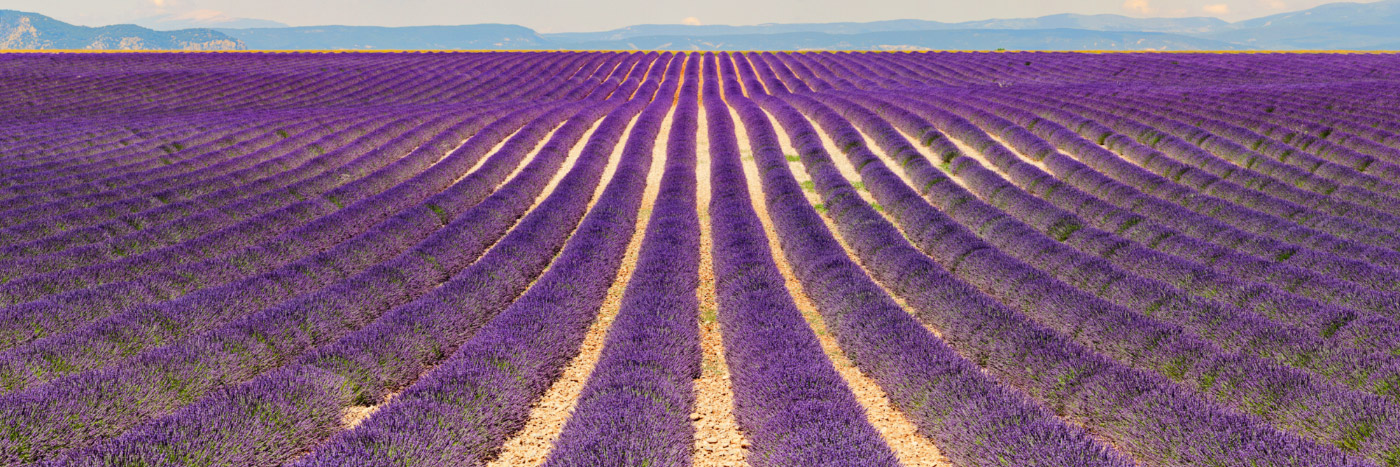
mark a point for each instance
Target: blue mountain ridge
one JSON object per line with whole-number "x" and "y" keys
{"x": 1335, "y": 26}
{"x": 21, "y": 30}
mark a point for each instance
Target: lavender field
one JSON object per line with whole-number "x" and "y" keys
{"x": 659, "y": 259}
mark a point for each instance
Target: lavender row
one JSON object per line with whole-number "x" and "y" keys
{"x": 445, "y": 206}
{"x": 1290, "y": 193}
{"x": 1327, "y": 320}
{"x": 1160, "y": 232}
{"x": 70, "y": 144}
{"x": 1363, "y": 179}
{"x": 427, "y": 320}
{"x": 78, "y": 213}
{"x": 75, "y": 189}
{"x": 1151, "y": 275}
{"x": 1295, "y": 155}
{"x": 240, "y": 78}
{"x": 282, "y": 209}
{"x": 181, "y": 281}
{"x": 168, "y": 199}
{"x": 389, "y": 218}
{"x": 634, "y": 408}
{"x": 973, "y": 419}
{"x": 295, "y": 164}
{"x": 790, "y": 402}
{"x": 436, "y": 90}
{"x": 1366, "y": 135}
{"x": 1091, "y": 389}
{"x": 1345, "y": 410}
{"x": 1193, "y": 360}
{"x": 1324, "y": 319}
{"x": 432, "y": 222}
{"x": 270, "y": 337}
{"x": 463, "y": 410}
{"x": 1331, "y": 263}
{"x": 34, "y": 186}
{"x": 256, "y": 86}
{"x": 165, "y": 197}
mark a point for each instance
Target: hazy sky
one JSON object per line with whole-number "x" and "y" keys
{"x": 562, "y": 16}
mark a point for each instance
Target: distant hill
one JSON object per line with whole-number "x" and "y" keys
{"x": 882, "y": 35}
{"x": 1064, "y": 21}
{"x": 203, "y": 19}
{"x": 1196, "y": 25}
{"x": 646, "y": 30}
{"x": 1363, "y": 26}
{"x": 981, "y": 39}
{"x": 479, "y": 36}
{"x": 1337, "y": 26}
{"x": 20, "y": 30}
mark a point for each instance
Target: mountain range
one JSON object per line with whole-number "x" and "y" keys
{"x": 1336, "y": 26}
{"x": 29, "y": 31}
{"x": 203, "y": 19}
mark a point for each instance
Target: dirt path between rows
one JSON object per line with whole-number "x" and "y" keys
{"x": 911, "y": 448}
{"x": 718, "y": 440}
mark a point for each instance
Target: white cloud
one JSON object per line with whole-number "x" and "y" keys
{"x": 1274, "y": 4}
{"x": 158, "y": 3}
{"x": 1142, "y": 7}
{"x": 1217, "y": 9}
{"x": 691, "y": 21}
